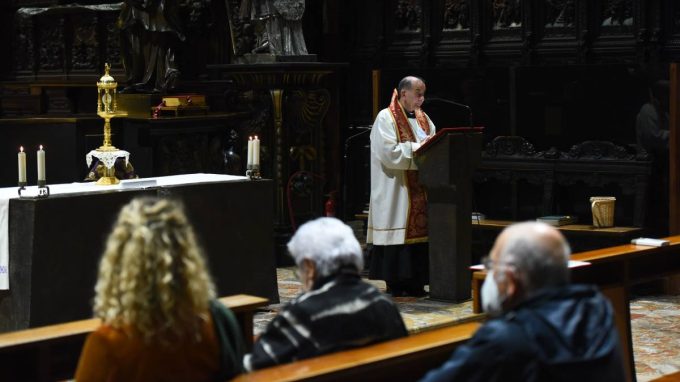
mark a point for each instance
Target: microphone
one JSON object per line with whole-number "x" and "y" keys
{"x": 360, "y": 128}
{"x": 454, "y": 103}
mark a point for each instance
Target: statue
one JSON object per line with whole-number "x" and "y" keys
{"x": 150, "y": 32}
{"x": 277, "y": 24}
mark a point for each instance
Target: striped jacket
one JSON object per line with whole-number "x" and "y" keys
{"x": 340, "y": 312}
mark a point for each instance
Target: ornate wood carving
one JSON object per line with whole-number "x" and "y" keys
{"x": 51, "y": 46}
{"x": 456, "y": 15}
{"x": 408, "y": 16}
{"x": 85, "y": 44}
{"x": 509, "y": 146}
{"x": 24, "y": 58}
{"x": 112, "y": 55}
{"x": 600, "y": 150}
{"x": 617, "y": 13}
{"x": 560, "y": 13}
{"x": 506, "y": 14}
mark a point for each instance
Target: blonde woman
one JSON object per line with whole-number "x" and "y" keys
{"x": 156, "y": 302}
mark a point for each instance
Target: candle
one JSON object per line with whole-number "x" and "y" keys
{"x": 41, "y": 164}
{"x": 250, "y": 151}
{"x": 22, "y": 165}
{"x": 256, "y": 151}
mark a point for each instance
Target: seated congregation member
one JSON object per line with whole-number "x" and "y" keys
{"x": 544, "y": 328}
{"x": 338, "y": 310}
{"x": 156, "y": 300}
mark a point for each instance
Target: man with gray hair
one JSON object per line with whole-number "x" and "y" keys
{"x": 337, "y": 310}
{"x": 544, "y": 329}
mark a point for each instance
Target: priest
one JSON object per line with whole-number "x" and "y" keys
{"x": 397, "y": 218}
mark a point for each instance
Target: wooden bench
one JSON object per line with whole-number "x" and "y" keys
{"x": 51, "y": 352}
{"x": 673, "y": 377}
{"x": 614, "y": 270}
{"x": 404, "y": 359}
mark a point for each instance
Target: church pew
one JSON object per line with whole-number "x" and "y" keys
{"x": 404, "y": 359}
{"x": 673, "y": 377}
{"x": 51, "y": 352}
{"x": 614, "y": 270}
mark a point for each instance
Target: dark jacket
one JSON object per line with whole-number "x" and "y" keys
{"x": 340, "y": 312}
{"x": 561, "y": 334}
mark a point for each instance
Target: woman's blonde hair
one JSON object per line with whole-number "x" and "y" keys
{"x": 152, "y": 276}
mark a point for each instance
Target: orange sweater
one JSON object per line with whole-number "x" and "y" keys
{"x": 110, "y": 354}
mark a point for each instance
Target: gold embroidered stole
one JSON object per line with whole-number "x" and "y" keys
{"x": 416, "y": 220}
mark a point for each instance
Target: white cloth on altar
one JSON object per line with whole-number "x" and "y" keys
{"x": 60, "y": 189}
{"x": 388, "y": 210}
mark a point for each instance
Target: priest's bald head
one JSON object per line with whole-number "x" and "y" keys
{"x": 323, "y": 246}
{"x": 411, "y": 91}
{"x": 525, "y": 258}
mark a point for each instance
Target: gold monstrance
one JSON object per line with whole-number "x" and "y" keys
{"x": 107, "y": 108}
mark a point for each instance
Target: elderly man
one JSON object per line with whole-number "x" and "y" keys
{"x": 397, "y": 218}
{"x": 544, "y": 328}
{"x": 337, "y": 310}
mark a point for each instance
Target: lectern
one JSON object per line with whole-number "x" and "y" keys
{"x": 445, "y": 166}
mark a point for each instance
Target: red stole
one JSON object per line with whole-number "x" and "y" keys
{"x": 416, "y": 219}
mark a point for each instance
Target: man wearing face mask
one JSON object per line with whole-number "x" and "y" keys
{"x": 543, "y": 328}
{"x": 397, "y": 218}
{"x": 337, "y": 310}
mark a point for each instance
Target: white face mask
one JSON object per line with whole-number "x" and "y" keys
{"x": 492, "y": 302}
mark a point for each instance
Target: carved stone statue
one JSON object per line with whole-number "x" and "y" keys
{"x": 278, "y": 25}
{"x": 150, "y": 32}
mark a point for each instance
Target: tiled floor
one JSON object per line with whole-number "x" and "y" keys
{"x": 655, "y": 323}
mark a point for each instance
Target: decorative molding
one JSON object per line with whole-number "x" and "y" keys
{"x": 509, "y": 146}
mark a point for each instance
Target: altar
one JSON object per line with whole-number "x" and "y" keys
{"x": 55, "y": 243}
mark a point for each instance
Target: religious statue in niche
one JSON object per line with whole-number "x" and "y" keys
{"x": 560, "y": 13}
{"x": 507, "y": 14}
{"x": 456, "y": 15}
{"x": 150, "y": 33}
{"x": 618, "y": 13}
{"x": 277, "y": 25}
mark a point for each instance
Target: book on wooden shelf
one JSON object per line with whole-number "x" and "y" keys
{"x": 557, "y": 220}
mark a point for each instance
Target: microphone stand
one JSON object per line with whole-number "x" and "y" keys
{"x": 349, "y": 140}
{"x": 461, "y": 105}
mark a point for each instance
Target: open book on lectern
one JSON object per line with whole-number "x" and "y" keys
{"x": 445, "y": 131}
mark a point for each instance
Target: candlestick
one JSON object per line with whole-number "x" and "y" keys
{"x": 22, "y": 166}
{"x": 41, "y": 166}
{"x": 256, "y": 151}
{"x": 250, "y": 151}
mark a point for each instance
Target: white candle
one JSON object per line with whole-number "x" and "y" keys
{"x": 41, "y": 164}
{"x": 250, "y": 151}
{"x": 256, "y": 151}
{"x": 22, "y": 165}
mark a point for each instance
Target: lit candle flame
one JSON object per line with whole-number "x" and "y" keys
{"x": 21, "y": 148}
{"x": 40, "y": 147}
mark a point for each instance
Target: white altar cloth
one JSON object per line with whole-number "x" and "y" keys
{"x": 70, "y": 188}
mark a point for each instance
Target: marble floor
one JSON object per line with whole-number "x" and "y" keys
{"x": 655, "y": 322}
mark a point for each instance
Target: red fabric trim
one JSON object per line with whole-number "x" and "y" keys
{"x": 416, "y": 221}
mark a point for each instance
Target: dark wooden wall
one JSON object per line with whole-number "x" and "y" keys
{"x": 556, "y": 72}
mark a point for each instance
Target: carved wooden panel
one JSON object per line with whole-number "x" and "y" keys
{"x": 408, "y": 16}
{"x": 456, "y": 15}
